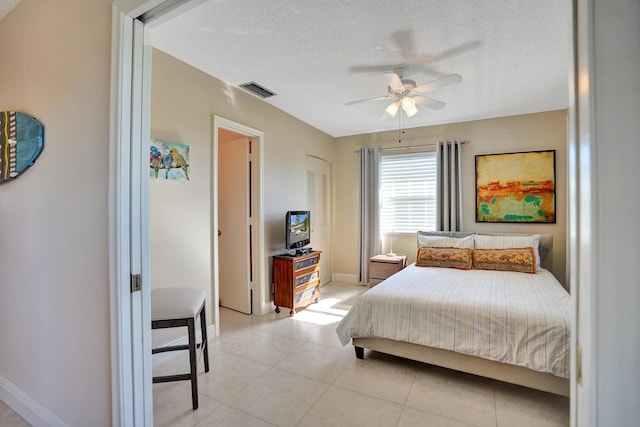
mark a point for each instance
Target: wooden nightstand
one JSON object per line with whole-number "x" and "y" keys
{"x": 383, "y": 266}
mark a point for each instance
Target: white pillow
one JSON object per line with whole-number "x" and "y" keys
{"x": 484, "y": 241}
{"x": 444, "y": 241}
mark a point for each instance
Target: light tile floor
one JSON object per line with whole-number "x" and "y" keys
{"x": 274, "y": 370}
{"x": 9, "y": 418}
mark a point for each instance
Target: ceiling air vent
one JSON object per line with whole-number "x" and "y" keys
{"x": 256, "y": 89}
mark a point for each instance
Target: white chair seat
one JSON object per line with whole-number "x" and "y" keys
{"x": 176, "y": 303}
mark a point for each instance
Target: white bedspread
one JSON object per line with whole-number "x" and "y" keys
{"x": 516, "y": 318}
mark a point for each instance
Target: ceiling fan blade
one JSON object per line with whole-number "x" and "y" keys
{"x": 405, "y": 45}
{"x": 435, "y": 84}
{"x": 434, "y": 104}
{"x": 394, "y": 81}
{"x": 405, "y": 41}
{"x": 360, "y": 101}
{"x": 372, "y": 68}
{"x": 465, "y": 47}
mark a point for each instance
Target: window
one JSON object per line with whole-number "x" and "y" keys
{"x": 407, "y": 192}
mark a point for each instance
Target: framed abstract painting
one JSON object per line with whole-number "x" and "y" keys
{"x": 516, "y": 187}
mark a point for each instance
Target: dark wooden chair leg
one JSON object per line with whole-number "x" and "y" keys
{"x": 205, "y": 339}
{"x": 192, "y": 346}
{"x": 193, "y": 362}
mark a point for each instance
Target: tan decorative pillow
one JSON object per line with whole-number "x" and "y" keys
{"x": 430, "y": 256}
{"x": 496, "y": 241}
{"x": 522, "y": 260}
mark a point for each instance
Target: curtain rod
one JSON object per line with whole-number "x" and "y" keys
{"x": 409, "y": 147}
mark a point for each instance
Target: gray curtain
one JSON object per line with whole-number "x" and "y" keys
{"x": 369, "y": 212}
{"x": 449, "y": 186}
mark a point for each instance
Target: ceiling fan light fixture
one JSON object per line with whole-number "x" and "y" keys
{"x": 411, "y": 112}
{"x": 407, "y": 95}
{"x": 409, "y": 106}
{"x": 408, "y": 103}
{"x": 392, "y": 109}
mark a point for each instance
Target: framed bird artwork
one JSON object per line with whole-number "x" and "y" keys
{"x": 169, "y": 160}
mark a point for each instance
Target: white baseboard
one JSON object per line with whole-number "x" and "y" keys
{"x": 342, "y": 277}
{"x": 160, "y": 358}
{"x": 25, "y": 406}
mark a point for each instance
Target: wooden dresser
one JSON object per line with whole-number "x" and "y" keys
{"x": 383, "y": 266}
{"x": 296, "y": 280}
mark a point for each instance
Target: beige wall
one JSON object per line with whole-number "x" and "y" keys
{"x": 541, "y": 131}
{"x": 183, "y": 104}
{"x": 54, "y": 276}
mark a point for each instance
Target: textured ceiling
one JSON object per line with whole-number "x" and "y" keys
{"x": 7, "y": 6}
{"x": 514, "y": 56}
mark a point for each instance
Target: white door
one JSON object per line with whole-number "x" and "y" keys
{"x": 234, "y": 224}
{"x": 319, "y": 202}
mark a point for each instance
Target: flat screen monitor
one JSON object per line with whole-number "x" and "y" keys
{"x": 298, "y": 229}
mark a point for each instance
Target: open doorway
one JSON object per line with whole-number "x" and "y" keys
{"x": 126, "y": 311}
{"x": 234, "y": 220}
{"x": 237, "y": 224}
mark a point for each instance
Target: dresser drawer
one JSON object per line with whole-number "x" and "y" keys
{"x": 383, "y": 266}
{"x": 308, "y": 262}
{"x": 382, "y": 270}
{"x": 309, "y": 277}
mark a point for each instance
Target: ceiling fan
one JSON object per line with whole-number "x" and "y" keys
{"x": 403, "y": 92}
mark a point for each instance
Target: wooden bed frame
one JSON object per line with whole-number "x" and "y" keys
{"x": 471, "y": 364}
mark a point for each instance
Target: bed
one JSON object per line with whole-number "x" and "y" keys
{"x": 506, "y": 325}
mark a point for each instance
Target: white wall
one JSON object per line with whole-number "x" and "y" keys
{"x": 529, "y": 132}
{"x": 183, "y": 103}
{"x": 615, "y": 171}
{"x": 54, "y": 284}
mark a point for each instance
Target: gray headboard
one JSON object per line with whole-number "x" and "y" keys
{"x": 546, "y": 240}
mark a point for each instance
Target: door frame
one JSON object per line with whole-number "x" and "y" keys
{"x": 260, "y": 296}
{"x": 128, "y": 205}
{"x": 583, "y": 228}
{"x": 127, "y": 316}
{"x": 131, "y": 391}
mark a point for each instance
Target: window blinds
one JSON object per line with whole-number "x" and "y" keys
{"x": 407, "y": 192}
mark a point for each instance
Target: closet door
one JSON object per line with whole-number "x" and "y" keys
{"x": 319, "y": 202}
